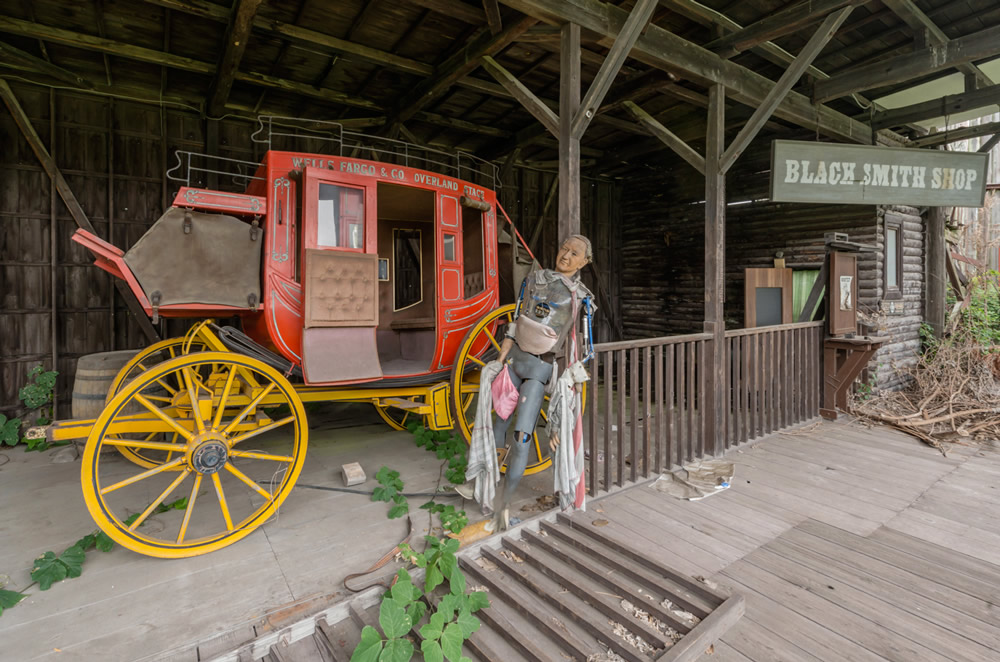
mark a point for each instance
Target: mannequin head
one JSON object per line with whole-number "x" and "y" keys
{"x": 574, "y": 254}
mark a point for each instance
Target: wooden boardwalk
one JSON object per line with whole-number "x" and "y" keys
{"x": 847, "y": 544}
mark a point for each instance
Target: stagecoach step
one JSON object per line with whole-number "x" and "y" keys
{"x": 416, "y": 407}
{"x": 560, "y": 588}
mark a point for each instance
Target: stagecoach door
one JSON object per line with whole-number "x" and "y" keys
{"x": 339, "y": 277}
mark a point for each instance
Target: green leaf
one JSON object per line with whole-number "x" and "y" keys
{"x": 449, "y": 605}
{"x": 478, "y": 600}
{"x": 456, "y": 581}
{"x": 10, "y": 431}
{"x": 433, "y": 578}
{"x": 370, "y": 646}
{"x": 447, "y": 565}
{"x": 413, "y": 426}
{"x": 402, "y": 592}
{"x": 468, "y": 623}
{"x": 104, "y": 542}
{"x": 451, "y": 545}
{"x": 397, "y": 650}
{"x": 48, "y": 570}
{"x": 416, "y": 611}
{"x": 73, "y": 559}
{"x": 430, "y": 505}
{"x": 398, "y": 511}
{"x": 131, "y": 519}
{"x": 393, "y": 619}
{"x": 432, "y": 651}
{"x": 451, "y": 642}
{"x": 10, "y": 598}
{"x": 86, "y": 542}
{"x": 434, "y": 628}
{"x": 433, "y": 542}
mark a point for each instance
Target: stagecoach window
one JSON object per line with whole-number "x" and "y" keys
{"x": 407, "y": 286}
{"x": 340, "y": 217}
{"x": 449, "y": 248}
{"x": 472, "y": 251}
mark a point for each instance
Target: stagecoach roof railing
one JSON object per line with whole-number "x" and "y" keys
{"x": 458, "y": 163}
{"x": 197, "y": 167}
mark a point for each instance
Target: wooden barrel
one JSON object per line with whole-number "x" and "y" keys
{"x": 94, "y": 374}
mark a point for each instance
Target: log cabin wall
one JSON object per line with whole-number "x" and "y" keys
{"x": 114, "y": 155}
{"x": 663, "y": 254}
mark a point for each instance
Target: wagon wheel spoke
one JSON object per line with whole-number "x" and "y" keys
{"x": 253, "y": 433}
{"x": 246, "y": 410}
{"x": 261, "y": 456}
{"x": 160, "y": 414}
{"x": 160, "y": 499}
{"x": 144, "y": 475}
{"x": 190, "y": 508}
{"x": 248, "y": 481}
{"x": 148, "y": 445}
{"x": 222, "y": 501}
{"x": 225, "y": 397}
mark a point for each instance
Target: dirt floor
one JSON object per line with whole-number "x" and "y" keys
{"x": 126, "y": 606}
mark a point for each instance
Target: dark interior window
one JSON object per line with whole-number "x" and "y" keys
{"x": 407, "y": 286}
{"x": 893, "y": 260}
{"x": 472, "y": 251}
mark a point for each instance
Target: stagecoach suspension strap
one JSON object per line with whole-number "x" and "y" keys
{"x": 239, "y": 342}
{"x": 381, "y": 562}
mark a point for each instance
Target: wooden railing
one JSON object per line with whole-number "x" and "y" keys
{"x": 774, "y": 378}
{"x": 644, "y": 410}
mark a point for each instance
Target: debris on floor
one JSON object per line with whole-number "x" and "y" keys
{"x": 697, "y": 480}
{"x": 652, "y": 621}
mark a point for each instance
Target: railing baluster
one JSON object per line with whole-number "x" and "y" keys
{"x": 620, "y": 460}
{"x": 633, "y": 365}
{"x": 647, "y": 424}
{"x": 668, "y": 398}
{"x": 660, "y": 434}
{"x": 692, "y": 390}
{"x": 608, "y": 384}
{"x": 591, "y": 442}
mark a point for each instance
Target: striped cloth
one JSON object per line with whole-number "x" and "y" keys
{"x": 483, "y": 467}
{"x": 565, "y": 416}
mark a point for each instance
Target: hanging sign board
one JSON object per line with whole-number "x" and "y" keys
{"x": 861, "y": 174}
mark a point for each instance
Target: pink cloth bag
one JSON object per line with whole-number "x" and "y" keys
{"x": 504, "y": 394}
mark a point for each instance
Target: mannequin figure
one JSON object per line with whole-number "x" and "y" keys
{"x": 533, "y": 349}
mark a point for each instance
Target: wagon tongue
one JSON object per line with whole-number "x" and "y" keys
{"x": 107, "y": 256}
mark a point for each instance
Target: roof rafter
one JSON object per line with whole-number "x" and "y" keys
{"x": 237, "y": 35}
{"x": 976, "y": 46}
{"x": 921, "y": 23}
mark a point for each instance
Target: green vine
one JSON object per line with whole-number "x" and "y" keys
{"x": 50, "y": 568}
{"x": 447, "y": 619}
{"x": 35, "y": 395}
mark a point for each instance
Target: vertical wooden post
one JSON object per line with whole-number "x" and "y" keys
{"x": 715, "y": 262}
{"x": 112, "y": 326}
{"x": 569, "y": 147}
{"x": 937, "y": 277}
{"x": 53, "y": 252}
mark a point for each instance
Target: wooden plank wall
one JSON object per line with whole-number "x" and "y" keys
{"x": 902, "y": 325}
{"x": 114, "y": 154}
{"x": 524, "y": 195}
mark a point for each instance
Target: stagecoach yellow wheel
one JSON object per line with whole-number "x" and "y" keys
{"x": 482, "y": 345}
{"x": 140, "y": 363}
{"x": 240, "y": 444}
{"x": 398, "y": 418}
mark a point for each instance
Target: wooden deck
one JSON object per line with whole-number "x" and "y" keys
{"x": 847, "y": 544}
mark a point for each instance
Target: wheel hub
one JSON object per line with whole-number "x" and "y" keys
{"x": 209, "y": 456}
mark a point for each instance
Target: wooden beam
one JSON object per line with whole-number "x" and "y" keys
{"x": 668, "y": 138}
{"x": 776, "y": 25}
{"x": 990, "y": 144}
{"x": 526, "y": 97}
{"x": 569, "y": 145}
{"x": 634, "y": 25}
{"x": 66, "y": 193}
{"x": 665, "y": 50}
{"x": 791, "y": 76}
{"x": 901, "y": 68}
{"x": 921, "y": 24}
{"x": 237, "y": 35}
{"x": 948, "y": 105}
{"x": 461, "y": 63}
{"x": 715, "y": 272}
{"x": 492, "y": 10}
{"x": 454, "y": 9}
{"x": 955, "y": 135}
{"x": 32, "y": 63}
{"x": 936, "y": 275}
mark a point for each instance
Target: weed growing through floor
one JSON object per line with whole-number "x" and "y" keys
{"x": 449, "y": 447}
{"x": 439, "y": 601}
{"x": 36, "y": 395}
{"x": 50, "y": 568}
